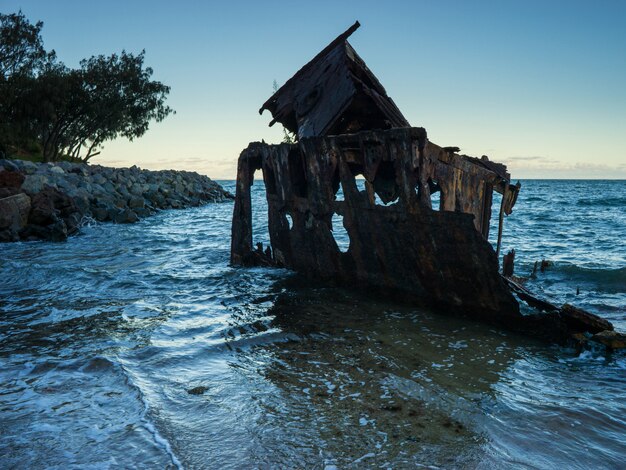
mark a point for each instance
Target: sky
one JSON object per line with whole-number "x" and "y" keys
{"x": 538, "y": 85}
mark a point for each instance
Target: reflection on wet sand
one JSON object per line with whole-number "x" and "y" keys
{"x": 365, "y": 380}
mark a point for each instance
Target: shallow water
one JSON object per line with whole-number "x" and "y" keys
{"x": 138, "y": 346}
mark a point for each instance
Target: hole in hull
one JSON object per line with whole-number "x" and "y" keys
{"x": 380, "y": 202}
{"x": 435, "y": 194}
{"x": 260, "y": 229}
{"x": 339, "y": 233}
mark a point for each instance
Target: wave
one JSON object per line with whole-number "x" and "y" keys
{"x": 613, "y": 279}
{"x": 604, "y": 202}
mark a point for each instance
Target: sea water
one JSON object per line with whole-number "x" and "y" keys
{"x": 138, "y": 346}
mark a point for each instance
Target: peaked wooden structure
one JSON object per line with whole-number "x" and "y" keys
{"x": 335, "y": 93}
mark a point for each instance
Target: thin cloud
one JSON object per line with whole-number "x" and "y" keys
{"x": 525, "y": 158}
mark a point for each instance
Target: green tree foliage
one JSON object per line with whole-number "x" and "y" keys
{"x": 72, "y": 112}
{"x": 22, "y": 57}
{"x": 21, "y": 47}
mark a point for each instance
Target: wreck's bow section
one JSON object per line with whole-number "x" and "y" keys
{"x": 398, "y": 242}
{"x": 359, "y": 162}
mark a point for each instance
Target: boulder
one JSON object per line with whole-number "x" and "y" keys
{"x": 9, "y": 165}
{"x": 136, "y": 202}
{"x": 611, "y": 339}
{"x": 136, "y": 189}
{"x": 53, "y": 215}
{"x": 56, "y": 232}
{"x": 27, "y": 167}
{"x": 54, "y": 197}
{"x": 67, "y": 166}
{"x": 7, "y": 192}
{"x": 99, "y": 178}
{"x": 143, "y": 212}
{"x": 14, "y": 212}
{"x": 11, "y": 179}
{"x": 125, "y": 216}
{"x": 101, "y": 214}
{"x": 35, "y": 183}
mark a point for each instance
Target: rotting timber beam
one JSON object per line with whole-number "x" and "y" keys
{"x": 241, "y": 239}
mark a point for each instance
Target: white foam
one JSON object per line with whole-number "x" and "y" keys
{"x": 160, "y": 441}
{"x": 369, "y": 455}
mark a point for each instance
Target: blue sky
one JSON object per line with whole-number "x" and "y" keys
{"x": 540, "y": 86}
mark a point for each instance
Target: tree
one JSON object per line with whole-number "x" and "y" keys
{"x": 22, "y": 57}
{"x": 108, "y": 97}
{"x": 21, "y": 46}
{"x": 71, "y": 112}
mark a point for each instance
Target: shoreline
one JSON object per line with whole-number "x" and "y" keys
{"x": 51, "y": 201}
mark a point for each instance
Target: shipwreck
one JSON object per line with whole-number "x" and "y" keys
{"x": 357, "y": 157}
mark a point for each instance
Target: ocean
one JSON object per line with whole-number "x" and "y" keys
{"x": 138, "y": 346}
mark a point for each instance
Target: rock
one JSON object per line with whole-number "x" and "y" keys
{"x": 156, "y": 199}
{"x": 98, "y": 178}
{"x": 136, "y": 189}
{"x": 9, "y": 165}
{"x": 136, "y": 202}
{"x": 28, "y": 168}
{"x": 78, "y": 170}
{"x": 101, "y": 214}
{"x": 125, "y": 216}
{"x": 143, "y": 212}
{"x": 53, "y": 215}
{"x": 57, "y": 232}
{"x": 81, "y": 198}
{"x": 197, "y": 390}
{"x": 123, "y": 191}
{"x": 14, "y": 212}
{"x": 8, "y": 192}
{"x": 67, "y": 166}
{"x": 43, "y": 212}
{"x": 34, "y": 183}
{"x": 108, "y": 187}
{"x": 72, "y": 222}
{"x": 11, "y": 179}
{"x": 580, "y": 340}
{"x": 578, "y": 320}
{"x": 61, "y": 194}
{"x": 611, "y": 339}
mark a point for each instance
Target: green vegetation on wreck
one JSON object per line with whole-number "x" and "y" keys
{"x": 50, "y": 112}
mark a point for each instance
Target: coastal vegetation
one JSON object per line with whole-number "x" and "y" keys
{"x": 52, "y": 112}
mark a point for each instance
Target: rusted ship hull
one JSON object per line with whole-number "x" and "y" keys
{"x": 434, "y": 257}
{"x": 347, "y": 128}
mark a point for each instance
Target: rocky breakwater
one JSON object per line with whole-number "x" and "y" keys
{"x": 51, "y": 201}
